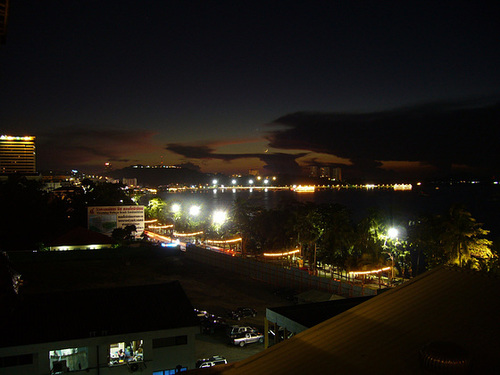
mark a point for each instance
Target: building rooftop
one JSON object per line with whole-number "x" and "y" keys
{"x": 310, "y": 314}
{"x": 49, "y": 317}
{"x": 391, "y": 333}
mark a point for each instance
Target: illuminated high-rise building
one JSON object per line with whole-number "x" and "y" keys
{"x": 17, "y": 154}
{"x": 4, "y": 12}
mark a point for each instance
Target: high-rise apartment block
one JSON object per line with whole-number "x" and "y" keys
{"x": 17, "y": 155}
{"x": 332, "y": 173}
{"x": 4, "y": 12}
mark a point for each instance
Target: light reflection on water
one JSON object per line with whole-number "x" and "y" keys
{"x": 397, "y": 206}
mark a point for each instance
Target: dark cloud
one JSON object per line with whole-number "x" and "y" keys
{"x": 69, "y": 148}
{"x": 275, "y": 163}
{"x": 441, "y": 134}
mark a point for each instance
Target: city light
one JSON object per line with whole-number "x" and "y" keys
{"x": 160, "y": 226}
{"x": 369, "y": 272}
{"x": 178, "y": 234}
{"x": 194, "y": 210}
{"x": 219, "y": 217}
{"x": 392, "y": 233}
{"x": 224, "y": 241}
{"x": 304, "y": 189}
{"x": 176, "y": 207}
{"x": 284, "y": 254}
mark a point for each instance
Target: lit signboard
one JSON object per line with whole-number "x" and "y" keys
{"x": 105, "y": 219}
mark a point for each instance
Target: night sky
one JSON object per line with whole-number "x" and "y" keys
{"x": 393, "y": 89}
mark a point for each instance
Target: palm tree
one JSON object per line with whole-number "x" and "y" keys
{"x": 308, "y": 230}
{"x": 243, "y": 215}
{"x": 336, "y": 241}
{"x": 367, "y": 248}
{"x": 463, "y": 239}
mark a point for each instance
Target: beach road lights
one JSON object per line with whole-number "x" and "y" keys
{"x": 194, "y": 210}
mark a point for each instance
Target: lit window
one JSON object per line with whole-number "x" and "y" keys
{"x": 70, "y": 359}
{"x": 121, "y": 353}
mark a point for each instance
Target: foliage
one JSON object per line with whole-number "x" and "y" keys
{"x": 155, "y": 209}
{"x": 453, "y": 238}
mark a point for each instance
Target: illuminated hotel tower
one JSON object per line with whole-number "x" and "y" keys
{"x": 17, "y": 154}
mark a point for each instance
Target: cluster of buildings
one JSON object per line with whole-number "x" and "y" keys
{"x": 326, "y": 172}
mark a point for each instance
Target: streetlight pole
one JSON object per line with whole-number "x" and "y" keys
{"x": 392, "y": 233}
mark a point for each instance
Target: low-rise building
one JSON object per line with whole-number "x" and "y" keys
{"x": 149, "y": 329}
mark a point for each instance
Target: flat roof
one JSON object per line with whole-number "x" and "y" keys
{"x": 310, "y": 314}
{"x": 67, "y": 315}
{"x": 387, "y": 334}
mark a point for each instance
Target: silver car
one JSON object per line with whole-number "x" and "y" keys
{"x": 248, "y": 338}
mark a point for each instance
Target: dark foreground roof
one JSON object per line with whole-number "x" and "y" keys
{"x": 386, "y": 334}
{"x": 37, "y": 318}
{"x": 310, "y": 314}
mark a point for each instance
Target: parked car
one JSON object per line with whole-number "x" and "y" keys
{"x": 212, "y": 361}
{"x": 236, "y": 331}
{"x": 212, "y": 323}
{"x": 242, "y": 312}
{"x": 248, "y": 338}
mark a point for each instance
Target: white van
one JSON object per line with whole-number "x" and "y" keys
{"x": 212, "y": 361}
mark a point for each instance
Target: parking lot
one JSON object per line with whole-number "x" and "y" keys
{"x": 208, "y": 288}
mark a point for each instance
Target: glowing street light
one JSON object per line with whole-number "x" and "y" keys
{"x": 219, "y": 217}
{"x": 233, "y": 182}
{"x": 250, "y": 182}
{"x": 214, "y": 182}
{"x": 266, "y": 181}
{"x": 176, "y": 207}
{"x": 392, "y": 233}
{"x": 194, "y": 210}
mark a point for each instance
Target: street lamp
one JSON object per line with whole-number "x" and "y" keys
{"x": 194, "y": 210}
{"x": 392, "y": 233}
{"x": 176, "y": 207}
{"x": 219, "y": 217}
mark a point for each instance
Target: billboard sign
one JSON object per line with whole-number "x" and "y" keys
{"x": 105, "y": 219}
